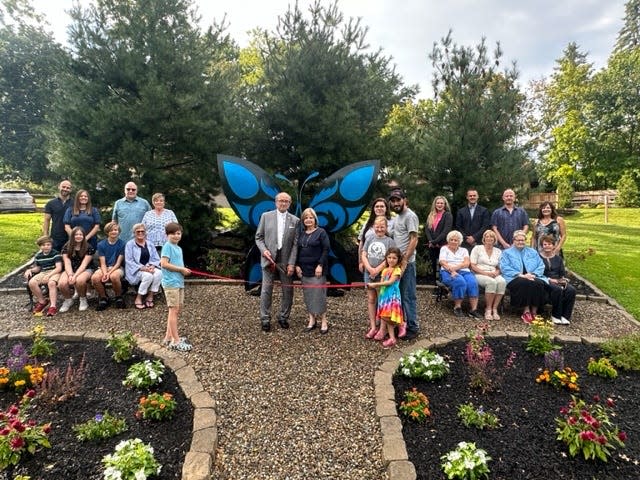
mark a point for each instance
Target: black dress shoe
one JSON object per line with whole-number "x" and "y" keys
{"x": 266, "y": 326}
{"x": 324, "y": 330}
{"x": 311, "y": 328}
{"x": 283, "y": 324}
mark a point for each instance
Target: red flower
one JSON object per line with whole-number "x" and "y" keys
{"x": 13, "y": 410}
{"x": 596, "y": 398}
{"x": 610, "y": 402}
{"x": 622, "y": 436}
{"x": 46, "y": 428}
{"x": 602, "y": 440}
{"x": 16, "y": 443}
{"x": 31, "y": 393}
{"x": 5, "y": 431}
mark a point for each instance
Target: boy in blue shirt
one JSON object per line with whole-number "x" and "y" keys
{"x": 111, "y": 257}
{"x": 173, "y": 273}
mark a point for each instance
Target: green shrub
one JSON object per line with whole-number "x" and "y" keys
{"x": 628, "y": 193}
{"x": 623, "y": 352}
{"x": 565, "y": 193}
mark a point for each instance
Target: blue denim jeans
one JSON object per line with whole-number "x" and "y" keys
{"x": 409, "y": 299}
{"x": 463, "y": 284}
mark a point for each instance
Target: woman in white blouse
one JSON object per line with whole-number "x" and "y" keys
{"x": 156, "y": 219}
{"x": 485, "y": 263}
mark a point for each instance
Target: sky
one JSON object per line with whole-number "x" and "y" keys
{"x": 532, "y": 33}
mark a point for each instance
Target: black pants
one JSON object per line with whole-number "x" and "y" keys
{"x": 562, "y": 300}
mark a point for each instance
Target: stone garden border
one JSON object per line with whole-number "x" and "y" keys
{"x": 199, "y": 460}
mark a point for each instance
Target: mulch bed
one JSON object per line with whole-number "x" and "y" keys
{"x": 525, "y": 446}
{"x": 102, "y": 390}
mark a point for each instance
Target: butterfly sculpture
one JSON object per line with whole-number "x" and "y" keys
{"x": 339, "y": 203}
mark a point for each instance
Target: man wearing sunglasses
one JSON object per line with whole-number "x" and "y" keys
{"x": 129, "y": 210}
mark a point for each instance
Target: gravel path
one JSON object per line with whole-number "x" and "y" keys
{"x": 291, "y": 404}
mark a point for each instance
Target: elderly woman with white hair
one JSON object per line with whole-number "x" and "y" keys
{"x": 142, "y": 267}
{"x": 456, "y": 275}
{"x": 523, "y": 270}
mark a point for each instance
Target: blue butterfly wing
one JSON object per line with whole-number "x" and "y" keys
{"x": 345, "y": 195}
{"x": 252, "y": 269}
{"x": 250, "y": 190}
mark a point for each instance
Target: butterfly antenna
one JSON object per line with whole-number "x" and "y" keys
{"x": 311, "y": 176}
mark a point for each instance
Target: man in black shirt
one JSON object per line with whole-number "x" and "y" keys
{"x": 53, "y": 214}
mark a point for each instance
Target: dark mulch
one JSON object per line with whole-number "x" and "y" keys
{"x": 525, "y": 446}
{"x": 102, "y": 390}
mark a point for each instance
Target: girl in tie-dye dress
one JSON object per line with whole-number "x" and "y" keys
{"x": 389, "y": 303}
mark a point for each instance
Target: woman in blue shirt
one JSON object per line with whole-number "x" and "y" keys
{"x": 523, "y": 270}
{"x": 83, "y": 214}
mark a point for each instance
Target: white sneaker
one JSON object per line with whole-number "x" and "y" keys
{"x": 66, "y": 305}
{"x": 557, "y": 321}
{"x": 565, "y": 321}
{"x": 83, "y": 304}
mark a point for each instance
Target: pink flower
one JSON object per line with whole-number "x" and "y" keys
{"x": 46, "y": 428}
{"x": 572, "y": 420}
{"x": 13, "y": 410}
{"x": 622, "y": 436}
{"x": 596, "y": 398}
{"x": 31, "y": 393}
{"x": 5, "y": 431}
{"x": 610, "y": 402}
{"x": 602, "y": 440}
{"x": 564, "y": 410}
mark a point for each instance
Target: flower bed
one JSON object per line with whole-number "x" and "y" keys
{"x": 100, "y": 391}
{"x": 525, "y": 445}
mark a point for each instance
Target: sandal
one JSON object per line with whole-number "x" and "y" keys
{"x": 140, "y": 306}
{"x": 149, "y": 303}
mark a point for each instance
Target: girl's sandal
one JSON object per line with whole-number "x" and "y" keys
{"x": 140, "y": 306}
{"x": 149, "y": 303}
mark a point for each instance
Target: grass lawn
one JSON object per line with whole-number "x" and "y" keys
{"x": 607, "y": 253}
{"x": 18, "y": 234}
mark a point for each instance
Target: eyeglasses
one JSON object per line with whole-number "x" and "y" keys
{"x": 284, "y": 201}
{"x": 141, "y": 231}
{"x": 131, "y": 189}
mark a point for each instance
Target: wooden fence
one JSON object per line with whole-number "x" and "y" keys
{"x": 579, "y": 199}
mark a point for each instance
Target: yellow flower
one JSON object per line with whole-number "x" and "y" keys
{"x": 19, "y": 383}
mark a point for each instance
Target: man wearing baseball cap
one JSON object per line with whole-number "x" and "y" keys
{"x": 405, "y": 234}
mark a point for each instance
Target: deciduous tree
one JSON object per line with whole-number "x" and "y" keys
{"x": 30, "y": 63}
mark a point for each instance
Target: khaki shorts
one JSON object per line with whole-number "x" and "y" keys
{"x": 42, "y": 278}
{"x": 174, "y": 296}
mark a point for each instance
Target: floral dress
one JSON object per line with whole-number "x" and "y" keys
{"x": 389, "y": 303}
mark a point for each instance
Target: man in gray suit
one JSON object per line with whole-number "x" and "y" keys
{"x": 277, "y": 239}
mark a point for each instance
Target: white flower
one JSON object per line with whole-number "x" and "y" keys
{"x": 140, "y": 475}
{"x": 112, "y": 473}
